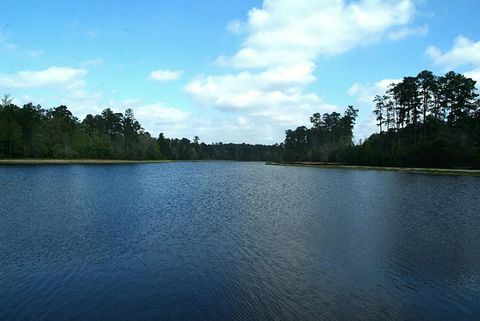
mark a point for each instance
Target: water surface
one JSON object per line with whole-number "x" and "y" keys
{"x": 225, "y": 240}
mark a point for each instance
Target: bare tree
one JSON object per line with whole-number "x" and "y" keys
{"x": 6, "y": 100}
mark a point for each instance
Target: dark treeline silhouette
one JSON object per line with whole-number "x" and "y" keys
{"x": 328, "y": 137}
{"x": 33, "y": 132}
{"x": 424, "y": 121}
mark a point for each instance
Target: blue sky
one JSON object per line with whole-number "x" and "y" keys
{"x": 232, "y": 71}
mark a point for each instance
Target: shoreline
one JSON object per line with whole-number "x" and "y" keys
{"x": 76, "y": 161}
{"x": 326, "y": 165}
{"x": 53, "y": 161}
{"x": 427, "y": 171}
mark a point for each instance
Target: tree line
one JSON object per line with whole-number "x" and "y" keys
{"x": 325, "y": 141}
{"x": 424, "y": 121}
{"x": 31, "y": 131}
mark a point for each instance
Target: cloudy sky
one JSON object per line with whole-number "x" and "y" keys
{"x": 231, "y": 71}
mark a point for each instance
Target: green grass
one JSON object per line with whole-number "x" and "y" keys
{"x": 430, "y": 171}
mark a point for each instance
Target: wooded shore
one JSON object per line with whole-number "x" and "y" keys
{"x": 75, "y": 161}
{"x": 430, "y": 171}
{"x": 330, "y": 165}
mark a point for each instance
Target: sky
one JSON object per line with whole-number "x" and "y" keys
{"x": 228, "y": 71}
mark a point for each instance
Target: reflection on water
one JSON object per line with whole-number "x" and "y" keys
{"x": 205, "y": 241}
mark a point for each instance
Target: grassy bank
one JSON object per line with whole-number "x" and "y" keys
{"x": 75, "y": 161}
{"x": 430, "y": 171}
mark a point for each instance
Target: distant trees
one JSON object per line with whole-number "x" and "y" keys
{"x": 423, "y": 121}
{"x": 426, "y": 120}
{"x": 410, "y": 102}
{"x": 6, "y": 100}
{"x": 327, "y": 136}
{"x": 33, "y": 132}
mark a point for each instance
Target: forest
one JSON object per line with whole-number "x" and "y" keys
{"x": 329, "y": 136}
{"x": 423, "y": 121}
{"x": 33, "y": 132}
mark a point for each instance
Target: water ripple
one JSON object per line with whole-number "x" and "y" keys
{"x": 216, "y": 241}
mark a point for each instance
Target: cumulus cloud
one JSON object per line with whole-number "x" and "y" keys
{"x": 364, "y": 93}
{"x": 158, "y": 117}
{"x": 275, "y": 96}
{"x": 475, "y": 75}
{"x": 268, "y": 89}
{"x": 237, "y": 131}
{"x": 165, "y": 75}
{"x": 287, "y": 31}
{"x": 275, "y": 63}
{"x": 465, "y": 52}
{"x": 161, "y": 114}
{"x": 236, "y": 27}
{"x": 80, "y": 101}
{"x": 247, "y": 90}
{"x": 53, "y": 86}
{"x": 53, "y": 76}
{"x": 68, "y": 86}
{"x": 405, "y": 32}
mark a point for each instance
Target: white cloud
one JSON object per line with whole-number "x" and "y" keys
{"x": 238, "y": 131}
{"x": 276, "y": 60}
{"x": 269, "y": 90}
{"x": 364, "y": 95}
{"x": 53, "y": 76}
{"x": 270, "y": 101}
{"x": 475, "y": 75}
{"x": 165, "y": 75}
{"x": 160, "y": 114}
{"x": 80, "y": 101}
{"x": 158, "y": 117}
{"x": 54, "y": 86}
{"x": 236, "y": 27}
{"x": 405, "y": 32}
{"x": 68, "y": 86}
{"x": 464, "y": 52}
{"x": 366, "y": 92}
{"x": 288, "y": 31}
{"x": 247, "y": 90}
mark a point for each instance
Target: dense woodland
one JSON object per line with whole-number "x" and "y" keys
{"x": 33, "y": 132}
{"x": 328, "y": 137}
{"x": 423, "y": 121}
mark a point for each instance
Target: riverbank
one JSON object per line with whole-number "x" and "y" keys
{"x": 75, "y": 161}
{"x": 429, "y": 171}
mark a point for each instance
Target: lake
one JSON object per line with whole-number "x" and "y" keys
{"x": 236, "y": 241}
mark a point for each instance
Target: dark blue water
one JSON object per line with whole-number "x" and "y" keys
{"x": 236, "y": 241}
